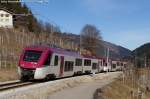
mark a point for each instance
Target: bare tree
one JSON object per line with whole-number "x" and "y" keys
{"x": 90, "y": 38}
{"x": 48, "y": 27}
{"x": 40, "y": 26}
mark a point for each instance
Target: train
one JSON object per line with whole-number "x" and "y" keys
{"x": 43, "y": 62}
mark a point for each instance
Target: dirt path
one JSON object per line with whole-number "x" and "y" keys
{"x": 85, "y": 90}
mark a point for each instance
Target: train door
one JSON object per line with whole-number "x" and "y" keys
{"x": 98, "y": 66}
{"x": 61, "y": 66}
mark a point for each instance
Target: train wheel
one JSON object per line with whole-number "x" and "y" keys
{"x": 74, "y": 74}
{"x": 50, "y": 77}
{"x": 79, "y": 73}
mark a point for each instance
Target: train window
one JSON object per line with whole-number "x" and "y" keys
{"x": 118, "y": 64}
{"x": 56, "y": 60}
{"x": 125, "y": 65}
{"x": 47, "y": 62}
{"x": 68, "y": 66}
{"x": 87, "y": 62}
{"x": 32, "y": 56}
{"x": 94, "y": 66}
{"x": 2, "y": 15}
{"x": 121, "y": 64}
{"x": 100, "y": 63}
{"x": 7, "y": 15}
{"x": 113, "y": 65}
{"x": 78, "y": 62}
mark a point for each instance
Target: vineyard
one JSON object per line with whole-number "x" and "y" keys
{"x": 133, "y": 84}
{"x": 13, "y": 41}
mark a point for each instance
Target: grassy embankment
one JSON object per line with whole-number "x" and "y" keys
{"x": 8, "y": 74}
{"x": 125, "y": 89}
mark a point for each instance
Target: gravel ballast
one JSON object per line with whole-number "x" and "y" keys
{"x": 48, "y": 89}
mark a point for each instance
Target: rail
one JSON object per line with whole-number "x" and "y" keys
{"x": 16, "y": 84}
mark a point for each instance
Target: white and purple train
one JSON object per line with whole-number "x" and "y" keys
{"x": 43, "y": 62}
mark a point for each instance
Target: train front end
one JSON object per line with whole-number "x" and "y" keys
{"x": 31, "y": 63}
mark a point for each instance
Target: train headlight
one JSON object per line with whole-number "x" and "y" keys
{"x": 22, "y": 65}
{"x": 34, "y": 66}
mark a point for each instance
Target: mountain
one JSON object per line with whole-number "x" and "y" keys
{"x": 143, "y": 50}
{"x": 116, "y": 51}
{"x": 142, "y": 55}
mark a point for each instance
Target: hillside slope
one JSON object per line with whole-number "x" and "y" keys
{"x": 22, "y": 16}
{"x": 142, "y": 55}
{"x": 116, "y": 51}
{"x": 142, "y": 50}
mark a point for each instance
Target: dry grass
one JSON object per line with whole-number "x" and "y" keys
{"x": 118, "y": 90}
{"x": 8, "y": 74}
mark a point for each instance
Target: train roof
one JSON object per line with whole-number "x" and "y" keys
{"x": 88, "y": 56}
{"x": 55, "y": 50}
{"x": 103, "y": 58}
{"x": 36, "y": 47}
{"x": 62, "y": 51}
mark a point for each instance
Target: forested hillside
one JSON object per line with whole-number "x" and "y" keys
{"x": 143, "y": 50}
{"x": 142, "y": 55}
{"x": 115, "y": 50}
{"x": 23, "y": 17}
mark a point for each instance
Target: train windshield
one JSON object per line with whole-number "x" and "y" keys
{"x": 32, "y": 56}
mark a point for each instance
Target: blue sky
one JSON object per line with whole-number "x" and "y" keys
{"x": 123, "y": 22}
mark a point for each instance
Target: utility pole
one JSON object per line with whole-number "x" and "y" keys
{"x": 145, "y": 58}
{"x": 80, "y": 45}
{"x": 107, "y": 58}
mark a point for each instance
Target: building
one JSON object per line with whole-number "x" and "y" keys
{"x": 6, "y": 18}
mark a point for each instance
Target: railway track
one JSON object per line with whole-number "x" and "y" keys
{"x": 15, "y": 84}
